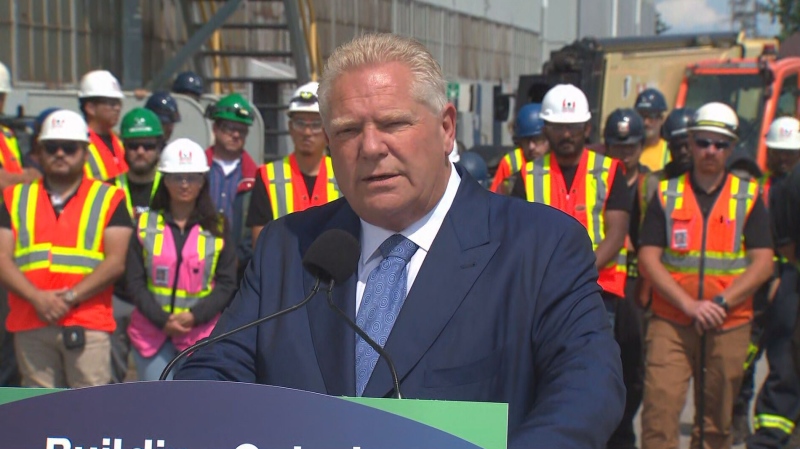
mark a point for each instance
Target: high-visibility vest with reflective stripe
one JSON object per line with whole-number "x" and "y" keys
{"x": 10, "y": 158}
{"x": 705, "y": 254}
{"x": 585, "y": 201}
{"x": 509, "y": 165}
{"x": 124, "y": 185}
{"x": 55, "y": 253}
{"x": 105, "y": 163}
{"x": 195, "y": 275}
{"x": 287, "y": 190}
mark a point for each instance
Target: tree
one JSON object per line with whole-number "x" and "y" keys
{"x": 787, "y": 12}
{"x": 661, "y": 26}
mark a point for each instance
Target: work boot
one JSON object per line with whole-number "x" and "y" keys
{"x": 740, "y": 428}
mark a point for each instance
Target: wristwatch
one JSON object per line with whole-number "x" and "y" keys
{"x": 720, "y": 301}
{"x": 70, "y": 297}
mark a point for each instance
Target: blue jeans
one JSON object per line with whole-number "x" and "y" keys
{"x": 150, "y": 368}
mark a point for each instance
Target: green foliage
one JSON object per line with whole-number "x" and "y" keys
{"x": 786, "y": 12}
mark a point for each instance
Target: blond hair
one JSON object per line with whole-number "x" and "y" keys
{"x": 428, "y": 84}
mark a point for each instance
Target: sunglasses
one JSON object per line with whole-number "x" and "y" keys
{"x": 718, "y": 144}
{"x": 69, "y": 148}
{"x": 136, "y": 146}
{"x": 563, "y": 127}
{"x": 180, "y": 178}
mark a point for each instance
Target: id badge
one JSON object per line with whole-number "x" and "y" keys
{"x": 680, "y": 239}
{"x": 162, "y": 276}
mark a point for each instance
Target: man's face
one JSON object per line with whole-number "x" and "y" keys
{"x": 679, "y": 150}
{"x": 709, "y": 151}
{"x": 142, "y": 154}
{"x": 781, "y": 162}
{"x": 566, "y": 139}
{"x": 62, "y": 160}
{"x": 652, "y": 122}
{"x": 230, "y": 135}
{"x": 628, "y": 153}
{"x": 390, "y": 151}
{"x": 105, "y": 111}
{"x": 305, "y": 128}
{"x": 533, "y": 147}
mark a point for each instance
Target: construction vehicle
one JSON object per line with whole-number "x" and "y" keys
{"x": 759, "y": 89}
{"x": 612, "y": 72}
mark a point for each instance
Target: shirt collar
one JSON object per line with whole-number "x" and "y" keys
{"x": 422, "y": 232}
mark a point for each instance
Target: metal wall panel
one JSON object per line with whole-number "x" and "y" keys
{"x": 595, "y": 18}
{"x": 628, "y": 18}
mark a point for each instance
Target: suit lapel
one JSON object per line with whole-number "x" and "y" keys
{"x": 459, "y": 253}
{"x": 334, "y": 342}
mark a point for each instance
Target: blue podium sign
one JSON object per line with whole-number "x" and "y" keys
{"x": 223, "y": 415}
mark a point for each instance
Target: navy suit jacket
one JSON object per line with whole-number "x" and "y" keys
{"x": 505, "y": 308}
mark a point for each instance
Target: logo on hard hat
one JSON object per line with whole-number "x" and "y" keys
{"x": 306, "y": 95}
{"x": 623, "y": 128}
{"x": 786, "y": 132}
{"x": 57, "y": 122}
{"x": 184, "y": 157}
{"x": 568, "y": 106}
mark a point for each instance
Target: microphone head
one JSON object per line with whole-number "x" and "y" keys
{"x": 333, "y": 256}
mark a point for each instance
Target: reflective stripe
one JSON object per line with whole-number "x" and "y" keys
{"x": 333, "y": 186}
{"x": 666, "y": 157}
{"x": 90, "y": 217}
{"x": 597, "y": 168}
{"x": 537, "y": 180}
{"x": 281, "y": 191}
{"x": 123, "y": 183}
{"x": 514, "y": 160}
{"x": 151, "y": 227}
{"x": 715, "y": 262}
{"x": 774, "y": 422}
{"x": 94, "y": 168}
{"x": 671, "y": 199}
{"x": 739, "y": 206}
{"x": 33, "y": 258}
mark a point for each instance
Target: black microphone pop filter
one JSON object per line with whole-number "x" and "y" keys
{"x": 333, "y": 256}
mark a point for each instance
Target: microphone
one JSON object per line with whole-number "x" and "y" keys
{"x": 351, "y": 250}
{"x": 329, "y": 258}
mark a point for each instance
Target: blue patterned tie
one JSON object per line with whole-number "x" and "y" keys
{"x": 383, "y": 297}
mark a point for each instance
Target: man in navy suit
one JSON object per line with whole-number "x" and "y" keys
{"x": 499, "y": 297}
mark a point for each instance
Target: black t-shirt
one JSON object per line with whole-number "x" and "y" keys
{"x": 140, "y": 196}
{"x": 654, "y": 227}
{"x": 784, "y": 208}
{"x": 260, "y": 212}
{"x": 120, "y": 216}
{"x": 618, "y": 196}
{"x": 106, "y": 138}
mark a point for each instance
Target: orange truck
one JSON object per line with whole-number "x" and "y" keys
{"x": 760, "y": 89}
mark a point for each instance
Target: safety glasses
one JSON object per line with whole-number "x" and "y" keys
{"x": 180, "y": 178}
{"x": 718, "y": 144}
{"x": 315, "y": 126}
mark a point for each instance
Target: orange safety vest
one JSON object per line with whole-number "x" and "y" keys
{"x": 103, "y": 163}
{"x": 585, "y": 201}
{"x": 704, "y": 256}
{"x": 509, "y": 165}
{"x": 10, "y": 158}
{"x": 287, "y": 189}
{"x": 55, "y": 253}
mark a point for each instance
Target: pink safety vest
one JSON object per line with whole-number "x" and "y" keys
{"x": 195, "y": 280}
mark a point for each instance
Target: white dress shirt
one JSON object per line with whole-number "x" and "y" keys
{"x": 422, "y": 232}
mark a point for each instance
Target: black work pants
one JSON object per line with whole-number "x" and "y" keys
{"x": 9, "y": 374}
{"x": 629, "y": 333}
{"x": 778, "y": 403}
{"x": 747, "y": 391}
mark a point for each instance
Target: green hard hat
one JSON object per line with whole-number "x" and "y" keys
{"x": 234, "y": 108}
{"x": 140, "y": 123}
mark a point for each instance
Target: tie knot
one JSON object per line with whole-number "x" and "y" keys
{"x": 398, "y": 246}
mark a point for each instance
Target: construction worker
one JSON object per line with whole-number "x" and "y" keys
{"x": 11, "y": 172}
{"x": 652, "y": 105}
{"x": 101, "y": 103}
{"x": 778, "y": 403}
{"x": 704, "y": 249}
{"x": 304, "y": 178}
{"x": 63, "y": 243}
{"x": 183, "y": 229}
{"x": 475, "y": 166}
{"x": 166, "y": 108}
{"x": 530, "y": 143}
{"x": 624, "y": 135}
{"x": 232, "y": 173}
{"x": 675, "y": 132}
{"x": 189, "y": 84}
{"x": 584, "y": 184}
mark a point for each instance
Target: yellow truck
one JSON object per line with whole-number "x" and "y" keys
{"x": 613, "y": 71}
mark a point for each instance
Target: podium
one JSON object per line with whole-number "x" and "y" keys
{"x": 227, "y": 415}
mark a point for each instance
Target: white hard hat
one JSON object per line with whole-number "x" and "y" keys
{"x": 716, "y": 117}
{"x": 784, "y": 134}
{"x": 5, "y": 79}
{"x": 565, "y": 103}
{"x": 183, "y": 156}
{"x": 64, "y": 125}
{"x": 305, "y": 98}
{"x": 100, "y": 83}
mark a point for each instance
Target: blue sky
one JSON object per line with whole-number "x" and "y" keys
{"x": 690, "y": 16}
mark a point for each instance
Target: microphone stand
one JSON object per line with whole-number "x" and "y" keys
{"x": 203, "y": 343}
{"x": 367, "y": 339}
